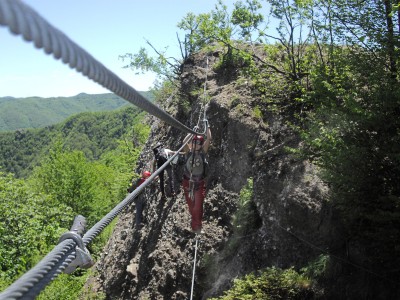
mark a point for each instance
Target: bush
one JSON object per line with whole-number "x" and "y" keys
{"x": 271, "y": 283}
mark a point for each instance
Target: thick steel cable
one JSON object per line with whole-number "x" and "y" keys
{"x": 203, "y": 106}
{"x": 99, "y": 226}
{"x": 29, "y": 285}
{"x": 23, "y": 20}
{"x": 194, "y": 268}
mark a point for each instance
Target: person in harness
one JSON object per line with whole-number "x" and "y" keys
{"x": 194, "y": 176}
{"x": 161, "y": 156}
{"x": 140, "y": 200}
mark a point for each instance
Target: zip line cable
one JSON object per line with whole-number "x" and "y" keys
{"x": 29, "y": 285}
{"x": 99, "y": 226}
{"x": 203, "y": 105}
{"x": 23, "y": 20}
{"x": 194, "y": 267}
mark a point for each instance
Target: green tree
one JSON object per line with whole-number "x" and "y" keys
{"x": 271, "y": 283}
{"x": 69, "y": 179}
{"x": 201, "y": 31}
{"x": 353, "y": 134}
{"x": 29, "y": 224}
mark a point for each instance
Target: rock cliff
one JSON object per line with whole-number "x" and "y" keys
{"x": 289, "y": 217}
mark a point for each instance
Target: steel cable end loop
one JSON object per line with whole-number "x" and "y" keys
{"x": 205, "y": 123}
{"x": 82, "y": 254}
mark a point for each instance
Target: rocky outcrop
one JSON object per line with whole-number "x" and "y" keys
{"x": 156, "y": 262}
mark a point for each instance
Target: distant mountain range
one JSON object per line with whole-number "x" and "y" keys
{"x": 37, "y": 112}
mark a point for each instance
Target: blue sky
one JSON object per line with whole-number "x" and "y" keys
{"x": 105, "y": 29}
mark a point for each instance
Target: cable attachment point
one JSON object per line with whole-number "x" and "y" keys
{"x": 82, "y": 255}
{"x": 205, "y": 123}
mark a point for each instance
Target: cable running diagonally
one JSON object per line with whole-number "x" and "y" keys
{"x": 194, "y": 267}
{"x": 36, "y": 279}
{"x": 203, "y": 105}
{"x": 23, "y": 20}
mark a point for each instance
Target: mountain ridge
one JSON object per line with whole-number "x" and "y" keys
{"x": 39, "y": 112}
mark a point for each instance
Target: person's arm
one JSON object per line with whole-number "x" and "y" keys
{"x": 188, "y": 145}
{"x": 170, "y": 152}
{"x": 208, "y": 140}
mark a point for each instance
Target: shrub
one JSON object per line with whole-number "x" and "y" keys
{"x": 271, "y": 283}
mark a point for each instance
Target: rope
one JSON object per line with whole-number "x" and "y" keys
{"x": 29, "y": 285}
{"x": 203, "y": 107}
{"x": 23, "y": 20}
{"x": 194, "y": 267}
{"x": 99, "y": 226}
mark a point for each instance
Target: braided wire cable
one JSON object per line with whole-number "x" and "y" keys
{"x": 194, "y": 268}
{"x": 99, "y": 226}
{"x": 29, "y": 285}
{"x": 203, "y": 106}
{"x": 23, "y": 20}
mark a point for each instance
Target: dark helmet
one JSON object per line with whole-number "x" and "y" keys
{"x": 199, "y": 138}
{"x": 146, "y": 174}
{"x": 156, "y": 147}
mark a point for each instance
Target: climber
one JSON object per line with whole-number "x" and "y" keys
{"x": 161, "y": 155}
{"x": 140, "y": 200}
{"x": 194, "y": 177}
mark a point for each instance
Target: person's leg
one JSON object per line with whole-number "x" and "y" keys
{"x": 171, "y": 180}
{"x": 139, "y": 211}
{"x": 161, "y": 176}
{"x": 186, "y": 191}
{"x": 197, "y": 208}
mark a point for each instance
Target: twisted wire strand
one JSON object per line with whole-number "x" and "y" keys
{"x": 203, "y": 105}
{"x": 29, "y": 285}
{"x": 99, "y": 226}
{"x": 23, "y": 20}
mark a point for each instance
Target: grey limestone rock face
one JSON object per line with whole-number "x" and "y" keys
{"x": 156, "y": 261}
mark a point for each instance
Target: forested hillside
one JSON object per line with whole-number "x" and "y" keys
{"x": 37, "y": 112}
{"x": 91, "y": 133}
{"x": 303, "y": 181}
{"x": 303, "y": 100}
{"x": 81, "y": 166}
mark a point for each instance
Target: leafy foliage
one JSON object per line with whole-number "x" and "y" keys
{"x": 40, "y": 112}
{"x": 29, "y": 224}
{"x": 69, "y": 179}
{"x": 83, "y": 166}
{"x": 91, "y": 133}
{"x": 271, "y": 283}
{"x": 245, "y": 218}
{"x": 199, "y": 32}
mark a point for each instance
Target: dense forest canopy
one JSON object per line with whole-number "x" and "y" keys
{"x": 78, "y": 167}
{"x": 91, "y": 133}
{"x": 37, "y": 112}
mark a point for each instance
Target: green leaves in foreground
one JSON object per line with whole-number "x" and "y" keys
{"x": 71, "y": 180}
{"x": 29, "y": 223}
{"x": 271, "y": 283}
